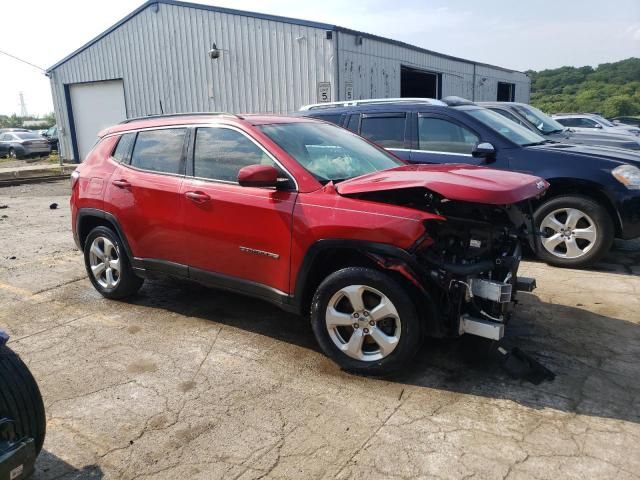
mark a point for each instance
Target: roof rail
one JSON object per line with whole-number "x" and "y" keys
{"x": 455, "y": 101}
{"x": 170, "y": 115}
{"x": 373, "y": 101}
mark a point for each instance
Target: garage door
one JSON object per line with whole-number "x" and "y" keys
{"x": 95, "y": 106}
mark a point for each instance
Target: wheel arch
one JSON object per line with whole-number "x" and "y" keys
{"x": 90, "y": 218}
{"x": 582, "y": 188}
{"x": 327, "y": 256}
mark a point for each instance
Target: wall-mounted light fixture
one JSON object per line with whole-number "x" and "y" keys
{"x": 214, "y": 53}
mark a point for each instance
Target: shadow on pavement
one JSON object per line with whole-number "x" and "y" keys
{"x": 49, "y": 467}
{"x": 595, "y": 357}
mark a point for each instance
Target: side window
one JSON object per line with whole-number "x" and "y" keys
{"x": 385, "y": 130}
{"x": 508, "y": 115}
{"x": 568, "y": 122}
{"x": 220, "y": 153}
{"x": 159, "y": 150}
{"x": 354, "y": 120}
{"x": 122, "y": 152}
{"x": 4, "y": 137}
{"x": 335, "y": 119}
{"x": 587, "y": 123}
{"x": 439, "y": 135}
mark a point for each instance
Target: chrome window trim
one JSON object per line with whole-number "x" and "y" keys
{"x": 430, "y": 151}
{"x": 196, "y": 126}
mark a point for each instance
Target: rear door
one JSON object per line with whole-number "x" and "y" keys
{"x": 236, "y": 235}
{"x": 144, "y": 195}
{"x": 390, "y": 130}
{"x": 442, "y": 139}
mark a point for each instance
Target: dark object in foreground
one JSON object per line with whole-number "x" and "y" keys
{"x": 22, "y": 417}
{"x": 519, "y": 365}
{"x": 53, "y": 206}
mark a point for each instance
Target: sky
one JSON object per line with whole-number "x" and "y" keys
{"x": 521, "y": 35}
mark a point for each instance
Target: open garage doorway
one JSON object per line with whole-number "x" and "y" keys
{"x": 420, "y": 83}
{"x": 506, "y": 92}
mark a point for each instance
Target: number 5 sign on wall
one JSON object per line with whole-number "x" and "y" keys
{"x": 324, "y": 92}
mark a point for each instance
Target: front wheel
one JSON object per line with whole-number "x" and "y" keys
{"x": 365, "y": 321}
{"x": 574, "y": 231}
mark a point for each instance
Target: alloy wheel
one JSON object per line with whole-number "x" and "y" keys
{"x": 363, "y": 323}
{"x": 568, "y": 233}
{"x": 104, "y": 261}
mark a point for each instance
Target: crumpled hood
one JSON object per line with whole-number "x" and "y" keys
{"x": 461, "y": 182}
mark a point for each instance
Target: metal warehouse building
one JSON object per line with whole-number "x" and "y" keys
{"x": 170, "y": 56}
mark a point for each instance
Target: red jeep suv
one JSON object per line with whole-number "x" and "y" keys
{"x": 312, "y": 218}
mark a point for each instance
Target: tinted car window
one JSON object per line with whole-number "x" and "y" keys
{"x": 353, "y": 123}
{"x": 330, "y": 118}
{"x": 4, "y": 137}
{"x": 569, "y": 122}
{"x": 439, "y": 135}
{"x": 123, "y": 149}
{"x": 506, "y": 114}
{"x": 27, "y": 136}
{"x": 159, "y": 150}
{"x": 387, "y": 131}
{"x": 220, "y": 153}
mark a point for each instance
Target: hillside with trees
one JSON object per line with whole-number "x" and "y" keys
{"x": 611, "y": 88}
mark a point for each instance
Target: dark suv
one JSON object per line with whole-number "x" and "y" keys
{"x": 312, "y": 218}
{"x": 594, "y": 194}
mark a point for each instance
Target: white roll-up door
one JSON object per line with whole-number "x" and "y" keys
{"x": 95, "y": 106}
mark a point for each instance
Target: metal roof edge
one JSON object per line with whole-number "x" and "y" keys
{"x": 264, "y": 16}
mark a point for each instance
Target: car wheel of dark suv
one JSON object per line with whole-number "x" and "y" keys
{"x": 108, "y": 265}
{"x": 575, "y": 231}
{"x": 365, "y": 321}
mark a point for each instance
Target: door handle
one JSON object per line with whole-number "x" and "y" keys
{"x": 121, "y": 183}
{"x": 197, "y": 197}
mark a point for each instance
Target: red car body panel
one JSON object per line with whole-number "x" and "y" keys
{"x": 461, "y": 182}
{"x": 262, "y": 235}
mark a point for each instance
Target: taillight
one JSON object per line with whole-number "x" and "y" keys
{"x": 27, "y": 143}
{"x": 75, "y": 175}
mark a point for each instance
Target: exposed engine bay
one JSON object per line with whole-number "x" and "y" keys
{"x": 471, "y": 258}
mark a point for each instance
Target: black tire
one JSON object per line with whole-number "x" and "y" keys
{"x": 128, "y": 282}
{"x": 410, "y": 324}
{"x": 605, "y": 231}
{"x": 20, "y": 398}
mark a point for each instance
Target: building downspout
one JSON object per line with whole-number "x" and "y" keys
{"x": 473, "y": 89}
{"x": 337, "y": 62}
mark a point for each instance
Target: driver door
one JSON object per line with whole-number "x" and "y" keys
{"x": 236, "y": 235}
{"x": 444, "y": 140}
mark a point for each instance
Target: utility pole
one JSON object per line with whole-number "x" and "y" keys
{"x": 23, "y": 106}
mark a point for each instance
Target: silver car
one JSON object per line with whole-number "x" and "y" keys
{"x": 23, "y": 144}
{"x": 589, "y": 122}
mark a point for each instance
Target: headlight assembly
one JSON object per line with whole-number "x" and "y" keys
{"x": 628, "y": 175}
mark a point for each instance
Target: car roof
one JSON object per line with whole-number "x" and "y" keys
{"x": 199, "y": 118}
{"x": 378, "y": 107}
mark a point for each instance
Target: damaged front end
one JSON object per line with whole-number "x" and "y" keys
{"x": 472, "y": 260}
{"x": 466, "y": 262}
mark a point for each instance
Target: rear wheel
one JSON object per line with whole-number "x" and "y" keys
{"x": 575, "y": 231}
{"x": 13, "y": 154}
{"x": 20, "y": 398}
{"x": 108, "y": 265}
{"x": 365, "y": 321}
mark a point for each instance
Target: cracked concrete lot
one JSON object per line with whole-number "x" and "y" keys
{"x": 186, "y": 382}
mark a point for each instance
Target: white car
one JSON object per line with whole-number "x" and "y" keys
{"x": 590, "y": 122}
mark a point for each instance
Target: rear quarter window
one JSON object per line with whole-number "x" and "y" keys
{"x": 122, "y": 152}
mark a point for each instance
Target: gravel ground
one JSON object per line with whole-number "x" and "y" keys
{"x": 187, "y": 382}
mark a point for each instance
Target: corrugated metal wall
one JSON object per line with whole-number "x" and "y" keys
{"x": 265, "y": 66}
{"x": 373, "y": 67}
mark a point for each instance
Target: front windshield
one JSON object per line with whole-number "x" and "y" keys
{"x": 505, "y": 127}
{"x": 328, "y": 152}
{"x": 542, "y": 121}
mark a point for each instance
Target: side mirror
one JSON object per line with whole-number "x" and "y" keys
{"x": 483, "y": 150}
{"x": 598, "y": 125}
{"x": 258, "y": 176}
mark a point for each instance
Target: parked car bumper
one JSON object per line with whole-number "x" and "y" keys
{"x": 44, "y": 150}
{"x": 629, "y": 211}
